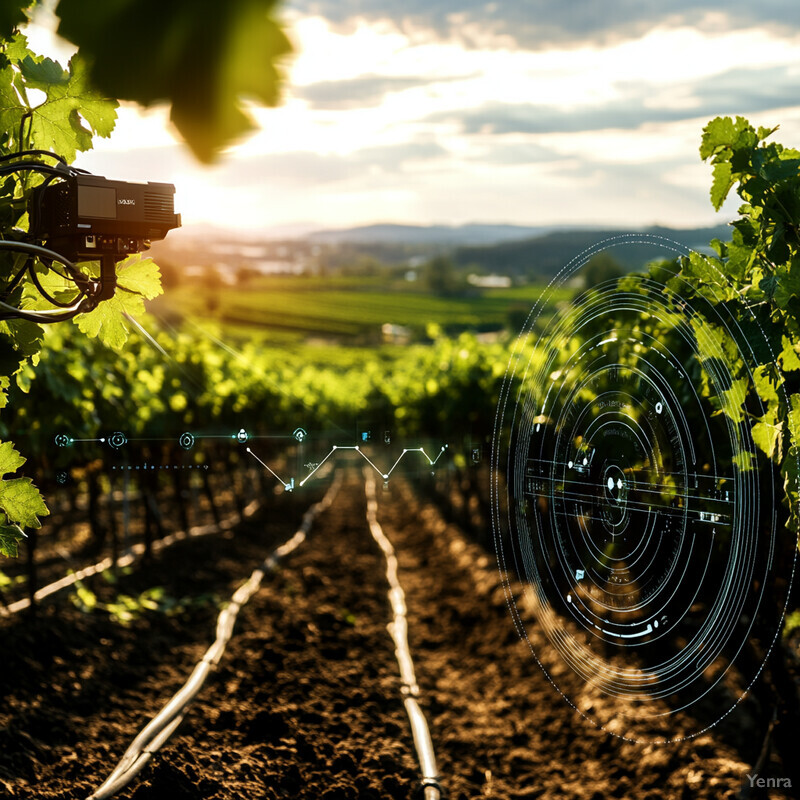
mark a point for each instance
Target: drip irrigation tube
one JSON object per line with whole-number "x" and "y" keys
{"x": 162, "y": 726}
{"x": 398, "y": 629}
{"x": 130, "y": 557}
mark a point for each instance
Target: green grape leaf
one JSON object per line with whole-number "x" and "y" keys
{"x": 721, "y": 183}
{"x": 107, "y": 321}
{"x": 780, "y": 169}
{"x": 137, "y": 278}
{"x": 768, "y": 285}
{"x": 203, "y": 56}
{"x": 27, "y": 335}
{"x": 22, "y": 503}
{"x": 788, "y": 358}
{"x": 10, "y": 537}
{"x": 793, "y": 419}
{"x": 713, "y": 341}
{"x": 10, "y": 459}
{"x": 745, "y": 461}
{"x": 721, "y": 133}
{"x": 15, "y": 47}
{"x": 140, "y": 275}
{"x": 57, "y": 123}
{"x": 767, "y": 379}
{"x": 19, "y": 341}
{"x": 19, "y": 498}
{"x": 766, "y": 434}
{"x": 732, "y": 400}
{"x": 720, "y": 247}
{"x": 40, "y": 73}
{"x": 788, "y": 286}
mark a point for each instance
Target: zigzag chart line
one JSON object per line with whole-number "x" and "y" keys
{"x": 289, "y": 485}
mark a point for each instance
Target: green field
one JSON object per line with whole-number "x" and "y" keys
{"x": 347, "y": 308}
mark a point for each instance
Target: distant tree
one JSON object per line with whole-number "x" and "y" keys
{"x": 440, "y": 276}
{"x": 516, "y": 317}
{"x": 601, "y": 267}
{"x": 212, "y": 280}
{"x": 245, "y": 275}
{"x": 367, "y": 266}
{"x": 170, "y": 274}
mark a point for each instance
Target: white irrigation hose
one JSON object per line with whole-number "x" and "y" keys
{"x": 398, "y": 629}
{"x": 125, "y": 561}
{"x": 161, "y": 727}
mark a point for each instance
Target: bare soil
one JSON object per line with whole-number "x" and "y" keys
{"x": 306, "y": 702}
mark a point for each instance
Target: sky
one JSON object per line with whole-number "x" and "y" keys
{"x": 534, "y": 112}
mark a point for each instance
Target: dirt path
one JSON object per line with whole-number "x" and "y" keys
{"x": 306, "y": 702}
{"x": 500, "y": 728}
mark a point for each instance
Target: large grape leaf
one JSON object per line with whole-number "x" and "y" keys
{"x": 137, "y": 278}
{"x": 140, "y": 275}
{"x": 721, "y": 183}
{"x": 19, "y": 498}
{"x": 10, "y": 459}
{"x": 766, "y": 435}
{"x": 22, "y": 503}
{"x": 10, "y": 537}
{"x": 59, "y": 123}
{"x": 721, "y": 134}
{"x": 205, "y": 57}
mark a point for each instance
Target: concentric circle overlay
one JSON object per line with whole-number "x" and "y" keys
{"x": 631, "y": 501}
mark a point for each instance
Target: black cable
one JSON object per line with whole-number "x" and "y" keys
{"x": 17, "y": 278}
{"x": 77, "y": 279}
{"x": 26, "y": 153}
{"x": 85, "y": 302}
{"x": 47, "y": 296}
{"x": 44, "y": 317}
{"x": 37, "y": 250}
{"x": 34, "y": 166}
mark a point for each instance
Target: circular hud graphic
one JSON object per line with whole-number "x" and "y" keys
{"x": 630, "y": 499}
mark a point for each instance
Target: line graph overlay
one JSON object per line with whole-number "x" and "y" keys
{"x": 289, "y": 485}
{"x": 628, "y": 492}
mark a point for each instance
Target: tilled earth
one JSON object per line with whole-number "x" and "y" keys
{"x": 306, "y": 702}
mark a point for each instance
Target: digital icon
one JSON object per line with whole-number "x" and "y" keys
{"x": 117, "y": 440}
{"x": 62, "y": 440}
{"x": 186, "y": 441}
{"x": 299, "y": 434}
{"x": 242, "y": 436}
{"x": 366, "y": 436}
{"x": 579, "y": 573}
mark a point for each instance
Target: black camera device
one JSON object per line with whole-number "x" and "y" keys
{"x": 88, "y": 217}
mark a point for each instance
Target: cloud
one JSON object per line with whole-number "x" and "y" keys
{"x": 737, "y": 91}
{"x": 295, "y": 169}
{"x": 310, "y": 169}
{"x": 535, "y": 24}
{"x": 360, "y": 92}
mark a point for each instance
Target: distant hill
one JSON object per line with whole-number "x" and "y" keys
{"x": 455, "y": 235}
{"x": 527, "y": 252}
{"x": 545, "y": 255}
